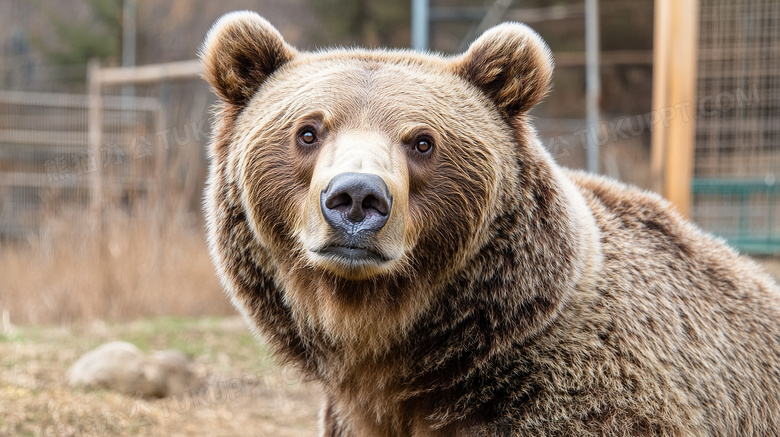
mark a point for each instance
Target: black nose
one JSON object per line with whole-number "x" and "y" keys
{"x": 356, "y": 203}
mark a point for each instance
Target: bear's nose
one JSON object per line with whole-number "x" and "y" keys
{"x": 356, "y": 203}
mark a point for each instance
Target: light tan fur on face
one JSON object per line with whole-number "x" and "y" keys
{"x": 358, "y": 151}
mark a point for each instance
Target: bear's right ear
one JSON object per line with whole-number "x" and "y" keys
{"x": 241, "y": 50}
{"x": 511, "y": 64}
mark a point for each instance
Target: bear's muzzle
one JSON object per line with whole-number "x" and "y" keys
{"x": 356, "y": 206}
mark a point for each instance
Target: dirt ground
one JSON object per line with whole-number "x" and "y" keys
{"x": 241, "y": 390}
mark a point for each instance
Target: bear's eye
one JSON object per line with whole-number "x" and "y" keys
{"x": 307, "y": 136}
{"x": 423, "y": 145}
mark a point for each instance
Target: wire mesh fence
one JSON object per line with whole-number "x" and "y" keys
{"x": 737, "y": 158}
{"x": 151, "y": 151}
{"x": 46, "y": 164}
{"x": 112, "y": 230}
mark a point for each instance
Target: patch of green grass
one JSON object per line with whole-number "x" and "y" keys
{"x": 209, "y": 337}
{"x": 212, "y": 337}
{"x": 16, "y": 337}
{"x": 167, "y": 333}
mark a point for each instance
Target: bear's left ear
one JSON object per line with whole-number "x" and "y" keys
{"x": 511, "y": 64}
{"x": 241, "y": 50}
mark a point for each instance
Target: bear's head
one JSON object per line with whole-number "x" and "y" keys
{"x": 360, "y": 183}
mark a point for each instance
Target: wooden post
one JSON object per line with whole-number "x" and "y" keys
{"x": 103, "y": 273}
{"x": 151, "y": 73}
{"x": 95, "y": 138}
{"x": 161, "y": 170}
{"x": 674, "y": 99}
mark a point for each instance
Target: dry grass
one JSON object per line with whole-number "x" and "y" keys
{"x": 133, "y": 268}
{"x": 242, "y": 392}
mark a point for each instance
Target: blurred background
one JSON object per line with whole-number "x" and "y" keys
{"x": 104, "y": 124}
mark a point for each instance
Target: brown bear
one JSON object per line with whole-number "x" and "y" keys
{"x": 391, "y": 224}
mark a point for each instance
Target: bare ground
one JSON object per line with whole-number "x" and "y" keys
{"x": 241, "y": 390}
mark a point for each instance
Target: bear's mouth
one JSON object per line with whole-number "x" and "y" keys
{"x": 352, "y": 253}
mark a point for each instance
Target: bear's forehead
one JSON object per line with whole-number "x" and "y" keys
{"x": 376, "y": 61}
{"x": 378, "y": 84}
{"x": 370, "y": 74}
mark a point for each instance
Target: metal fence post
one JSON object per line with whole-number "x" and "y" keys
{"x": 95, "y": 138}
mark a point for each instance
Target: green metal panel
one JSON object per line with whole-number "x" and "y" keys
{"x": 752, "y": 233}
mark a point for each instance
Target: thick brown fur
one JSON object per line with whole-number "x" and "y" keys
{"x": 517, "y": 298}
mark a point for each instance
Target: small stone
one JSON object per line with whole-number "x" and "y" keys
{"x": 120, "y": 366}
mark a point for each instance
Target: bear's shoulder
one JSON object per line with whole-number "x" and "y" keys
{"x": 652, "y": 249}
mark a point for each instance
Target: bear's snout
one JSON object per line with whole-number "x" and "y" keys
{"x": 356, "y": 204}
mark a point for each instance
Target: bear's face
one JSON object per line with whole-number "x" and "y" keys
{"x": 354, "y": 171}
{"x": 362, "y": 167}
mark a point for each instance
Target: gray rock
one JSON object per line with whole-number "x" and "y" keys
{"x": 122, "y": 367}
